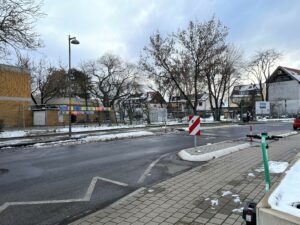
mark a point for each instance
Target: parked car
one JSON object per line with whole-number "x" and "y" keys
{"x": 296, "y": 123}
{"x": 246, "y": 117}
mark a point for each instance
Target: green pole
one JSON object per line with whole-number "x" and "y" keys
{"x": 265, "y": 160}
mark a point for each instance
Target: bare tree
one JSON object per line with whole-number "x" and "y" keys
{"x": 221, "y": 74}
{"x": 180, "y": 58}
{"x": 26, "y": 63}
{"x": 17, "y": 20}
{"x": 260, "y": 68}
{"x": 48, "y": 82}
{"x": 112, "y": 78}
{"x": 125, "y": 103}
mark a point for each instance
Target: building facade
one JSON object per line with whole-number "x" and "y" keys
{"x": 179, "y": 107}
{"x": 284, "y": 91}
{"x": 243, "y": 98}
{"x": 15, "y": 96}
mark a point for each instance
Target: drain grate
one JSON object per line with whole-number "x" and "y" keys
{"x": 2, "y": 171}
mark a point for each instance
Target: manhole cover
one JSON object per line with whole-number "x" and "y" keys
{"x": 2, "y": 171}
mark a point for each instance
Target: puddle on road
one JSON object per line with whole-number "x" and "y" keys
{"x": 3, "y": 171}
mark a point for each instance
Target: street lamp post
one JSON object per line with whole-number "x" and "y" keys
{"x": 71, "y": 40}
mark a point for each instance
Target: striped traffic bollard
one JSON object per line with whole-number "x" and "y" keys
{"x": 194, "y": 127}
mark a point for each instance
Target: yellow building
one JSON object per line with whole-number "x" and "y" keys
{"x": 15, "y": 97}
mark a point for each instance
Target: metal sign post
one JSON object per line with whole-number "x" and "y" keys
{"x": 264, "y": 136}
{"x": 265, "y": 160}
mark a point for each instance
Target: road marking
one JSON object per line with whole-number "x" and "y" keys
{"x": 209, "y": 134}
{"x": 209, "y": 138}
{"x": 149, "y": 168}
{"x": 86, "y": 198}
{"x": 113, "y": 181}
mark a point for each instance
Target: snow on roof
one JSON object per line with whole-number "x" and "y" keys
{"x": 293, "y": 72}
{"x": 248, "y": 87}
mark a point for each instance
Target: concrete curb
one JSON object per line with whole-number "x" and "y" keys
{"x": 288, "y": 134}
{"x": 183, "y": 154}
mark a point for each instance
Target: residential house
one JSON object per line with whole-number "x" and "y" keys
{"x": 15, "y": 96}
{"x": 284, "y": 91}
{"x": 150, "y": 105}
{"x": 179, "y": 107}
{"x": 243, "y": 98}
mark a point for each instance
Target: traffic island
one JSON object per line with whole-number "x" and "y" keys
{"x": 281, "y": 205}
{"x": 216, "y": 150}
{"x": 212, "y": 151}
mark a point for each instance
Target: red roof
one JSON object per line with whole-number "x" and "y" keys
{"x": 294, "y": 70}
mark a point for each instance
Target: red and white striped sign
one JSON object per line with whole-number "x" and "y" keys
{"x": 194, "y": 125}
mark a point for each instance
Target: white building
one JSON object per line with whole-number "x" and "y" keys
{"x": 284, "y": 91}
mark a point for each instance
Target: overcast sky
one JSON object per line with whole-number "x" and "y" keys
{"x": 123, "y": 27}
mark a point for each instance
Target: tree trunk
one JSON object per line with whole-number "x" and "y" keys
{"x": 267, "y": 92}
{"x": 115, "y": 113}
{"x": 261, "y": 91}
{"x": 217, "y": 114}
{"x": 33, "y": 99}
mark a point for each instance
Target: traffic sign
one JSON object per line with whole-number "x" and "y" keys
{"x": 194, "y": 125}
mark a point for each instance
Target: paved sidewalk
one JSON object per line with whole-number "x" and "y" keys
{"x": 195, "y": 197}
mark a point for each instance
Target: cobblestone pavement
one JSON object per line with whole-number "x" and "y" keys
{"x": 195, "y": 197}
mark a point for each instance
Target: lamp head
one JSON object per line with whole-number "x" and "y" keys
{"x": 75, "y": 42}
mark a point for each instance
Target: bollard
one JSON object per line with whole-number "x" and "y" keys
{"x": 251, "y": 133}
{"x": 249, "y": 213}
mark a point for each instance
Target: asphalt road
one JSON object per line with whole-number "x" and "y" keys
{"x": 53, "y": 185}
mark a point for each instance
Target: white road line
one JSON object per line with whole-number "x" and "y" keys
{"x": 86, "y": 198}
{"x": 113, "y": 181}
{"x": 149, "y": 168}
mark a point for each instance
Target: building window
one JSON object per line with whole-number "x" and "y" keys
{"x": 200, "y": 103}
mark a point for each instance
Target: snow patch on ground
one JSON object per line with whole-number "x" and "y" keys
{"x": 116, "y": 136}
{"x": 214, "y": 202}
{"x": 286, "y": 196}
{"x": 13, "y": 142}
{"x": 95, "y": 138}
{"x": 8, "y": 134}
{"x": 95, "y": 128}
{"x": 235, "y": 196}
{"x": 240, "y": 210}
{"x": 224, "y": 193}
{"x": 237, "y": 199}
{"x": 251, "y": 175}
{"x": 275, "y": 167}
